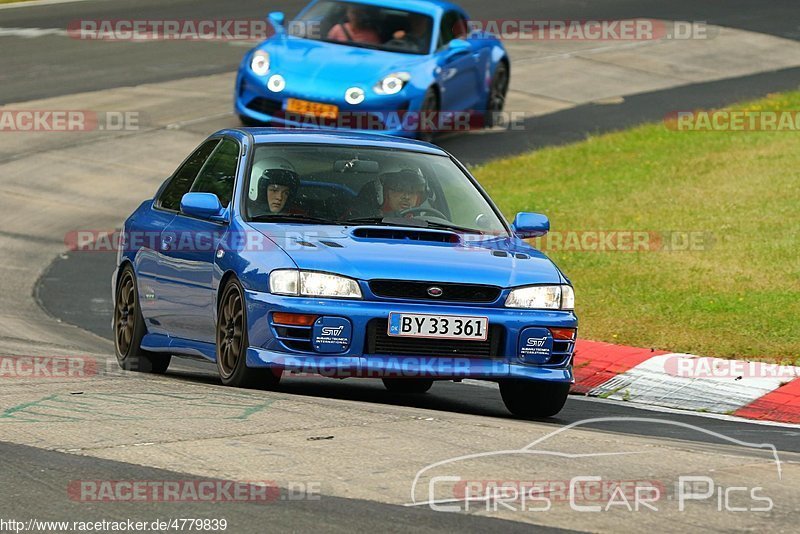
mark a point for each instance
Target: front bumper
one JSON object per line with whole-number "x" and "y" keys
{"x": 266, "y": 350}
{"x": 378, "y": 113}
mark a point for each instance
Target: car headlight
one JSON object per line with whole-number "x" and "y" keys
{"x": 354, "y": 96}
{"x": 312, "y": 284}
{"x": 393, "y": 83}
{"x": 260, "y": 62}
{"x": 542, "y": 297}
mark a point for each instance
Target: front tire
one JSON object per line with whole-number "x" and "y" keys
{"x": 430, "y": 106}
{"x": 129, "y": 330}
{"x": 232, "y": 343}
{"x": 497, "y": 94}
{"x": 408, "y": 385}
{"x": 530, "y": 399}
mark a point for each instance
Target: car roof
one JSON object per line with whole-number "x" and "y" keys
{"x": 337, "y": 137}
{"x": 429, "y": 7}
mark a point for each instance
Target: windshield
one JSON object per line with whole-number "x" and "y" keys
{"x": 365, "y": 26}
{"x": 341, "y": 185}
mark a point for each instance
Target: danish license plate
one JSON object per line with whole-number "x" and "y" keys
{"x": 438, "y": 326}
{"x": 315, "y": 109}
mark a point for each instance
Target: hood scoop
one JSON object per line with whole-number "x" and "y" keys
{"x": 406, "y": 234}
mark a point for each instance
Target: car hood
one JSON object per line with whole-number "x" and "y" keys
{"x": 333, "y": 62}
{"x": 503, "y": 262}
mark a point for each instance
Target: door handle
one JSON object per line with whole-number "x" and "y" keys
{"x": 166, "y": 242}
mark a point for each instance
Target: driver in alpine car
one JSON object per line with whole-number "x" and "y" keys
{"x": 358, "y": 28}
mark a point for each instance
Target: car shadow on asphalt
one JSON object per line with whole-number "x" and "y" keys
{"x": 445, "y": 396}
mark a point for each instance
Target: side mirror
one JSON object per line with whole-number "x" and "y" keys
{"x": 276, "y": 18}
{"x": 203, "y": 206}
{"x": 458, "y": 47}
{"x": 530, "y": 225}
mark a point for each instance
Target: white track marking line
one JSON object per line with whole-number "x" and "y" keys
{"x": 34, "y": 3}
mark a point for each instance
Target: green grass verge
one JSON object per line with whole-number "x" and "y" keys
{"x": 737, "y": 297}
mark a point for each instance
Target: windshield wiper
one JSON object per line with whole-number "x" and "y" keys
{"x": 443, "y": 226}
{"x": 388, "y": 221}
{"x": 299, "y": 219}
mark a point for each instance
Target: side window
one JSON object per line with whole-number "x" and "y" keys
{"x": 183, "y": 178}
{"x": 454, "y": 26}
{"x": 219, "y": 173}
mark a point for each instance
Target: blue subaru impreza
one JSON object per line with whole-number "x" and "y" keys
{"x": 344, "y": 255}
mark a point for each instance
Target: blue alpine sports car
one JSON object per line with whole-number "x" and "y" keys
{"x": 409, "y": 68}
{"x": 273, "y": 251}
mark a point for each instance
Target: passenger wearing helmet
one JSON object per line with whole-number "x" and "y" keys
{"x": 403, "y": 190}
{"x": 277, "y": 184}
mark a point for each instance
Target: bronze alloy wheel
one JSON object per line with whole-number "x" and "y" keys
{"x": 129, "y": 330}
{"x": 230, "y": 331}
{"x": 125, "y": 314}
{"x": 233, "y": 342}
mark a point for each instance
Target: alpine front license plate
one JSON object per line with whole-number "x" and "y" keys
{"x": 315, "y": 109}
{"x": 438, "y": 326}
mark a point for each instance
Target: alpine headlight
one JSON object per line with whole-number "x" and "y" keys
{"x": 542, "y": 297}
{"x": 393, "y": 83}
{"x": 312, "y": 284}
{"x": 260, "y": 62}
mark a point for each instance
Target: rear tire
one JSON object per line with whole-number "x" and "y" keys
{"x": 129, "y": 330}
{"x": 232, "y": 343}
{"x": 408, "y": 385}
{"x": 531, "y": 399}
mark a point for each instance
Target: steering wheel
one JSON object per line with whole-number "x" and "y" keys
{"x": 420, "y": 210}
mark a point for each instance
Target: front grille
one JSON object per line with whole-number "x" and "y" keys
{"x": 293, "y": 337}
{"x": 450, "y": 292}
{"x": 266, "y": 106}
{"x": 379, "y": 342}
{"x": 562, "y": 353}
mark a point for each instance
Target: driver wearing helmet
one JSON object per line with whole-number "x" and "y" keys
{"x": 403, "y": 190}
{"x": 277, "y": 185}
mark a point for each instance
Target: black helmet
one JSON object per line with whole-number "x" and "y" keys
{"x": 406, "y": 180}
{"x": 282, "y": 177}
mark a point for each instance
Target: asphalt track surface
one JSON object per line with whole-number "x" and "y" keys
{"x": 75, "y": 287}
{"x": 30, "y": 471}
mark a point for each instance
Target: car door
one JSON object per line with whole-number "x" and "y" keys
{"x": 188, "y": 249}
{"x": 147, "y": 234}
{"x": 459, "y": 74}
